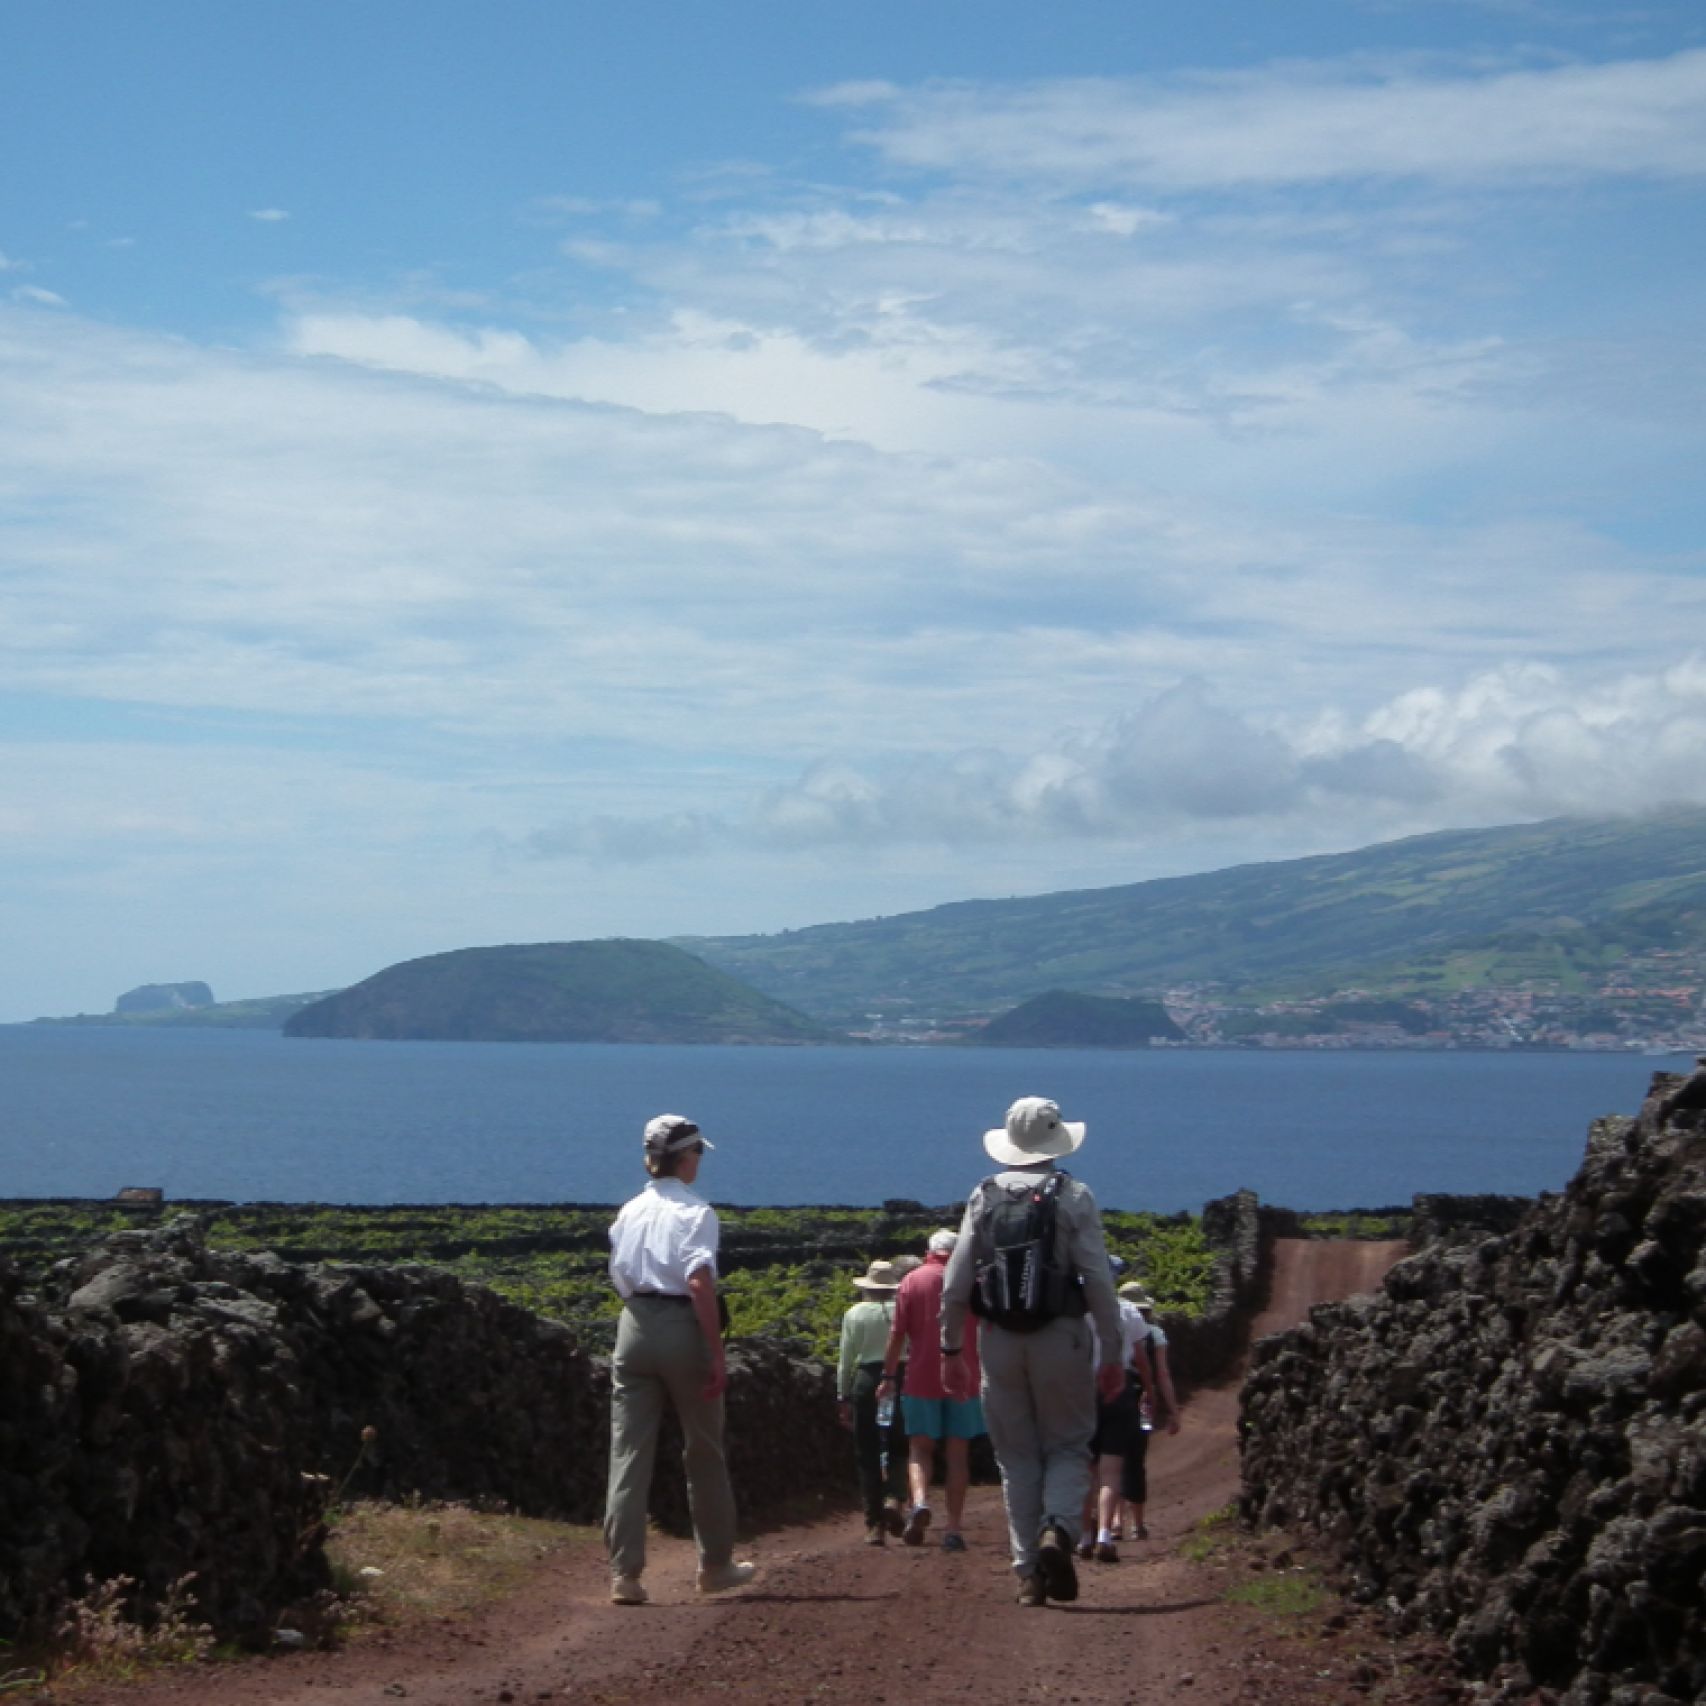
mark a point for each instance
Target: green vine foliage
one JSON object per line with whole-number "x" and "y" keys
{"x": 786, "y": 1272}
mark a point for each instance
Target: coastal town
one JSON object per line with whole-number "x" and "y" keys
{"x": 1650, "y": 1003}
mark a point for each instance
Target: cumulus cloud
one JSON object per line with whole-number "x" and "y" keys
{"x": 1518, "y": 743}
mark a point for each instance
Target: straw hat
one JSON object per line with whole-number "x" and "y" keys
{"x": 1034, "y": 1132}
{"x": 880, "y": 1276}
{"x": 1132, "y": 1292}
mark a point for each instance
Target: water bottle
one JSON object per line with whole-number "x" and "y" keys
{"x": 885, "y": 1412}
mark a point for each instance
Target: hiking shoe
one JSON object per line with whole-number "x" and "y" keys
{"x": 876, "y": 1534}
{"x": 1055, "y": 1568}
{"x": 953, "y": 1542}
{"x": 1107, "y": 1552}
{"x": 627, "y": 1590}
{"x": 719, "y": 1578}
{"x": 1030, "y": 1591}
{"x": 918, "y": 1519}
{"x": 1142, "y": 1532}
{"x": 894, "y": 1520}
{"x": 1087, "y": 1548}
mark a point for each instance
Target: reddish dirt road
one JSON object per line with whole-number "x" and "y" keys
{"x": 832, "y": 1620}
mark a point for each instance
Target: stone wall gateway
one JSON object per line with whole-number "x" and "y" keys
{"x": 1507, "y": 1444}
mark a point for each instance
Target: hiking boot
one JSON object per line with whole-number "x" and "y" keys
{"x": 1030, "y": 1591}
{"x": 917, "y": 1521}
{"x": 953, "y": 1542}
{"x": 719, "y": 1578}
{"x": 626, "y": 1590}
{"x": 1107, "y": 1552}
{"x": 1055, "y": 1568}
{"x": 894, "y": 1519}
{"x": 876, "y": 1534}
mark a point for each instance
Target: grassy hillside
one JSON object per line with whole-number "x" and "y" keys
{"x": 612, "y": 991}
{"x": 1560, "y": 902}
{"x": 1061, "y": 1019}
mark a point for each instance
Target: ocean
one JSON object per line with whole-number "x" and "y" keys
{"x": 250, "y": 1116}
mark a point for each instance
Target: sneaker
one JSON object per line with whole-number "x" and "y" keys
{"x": 720, "y": 1578}
{"x": 917, "y": 1521}
{"x": 1030, "y": 1591}
{"x": 1142, "y": 1532}
{"x": 1087, "y": 1548}
{"x": 627, "y": 1590}
{"x": 1107, "y": 1552}
{"x": 952, "y": 1542}
{"x": 876, "y": 1534}
{"x": 894, "y": 1520}
{"x": 1054, "y": 1565}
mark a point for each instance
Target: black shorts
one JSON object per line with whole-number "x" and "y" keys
{"x": 1116, "y": 1423}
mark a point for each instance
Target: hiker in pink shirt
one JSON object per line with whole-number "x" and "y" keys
{"x": 929, "y": 1410}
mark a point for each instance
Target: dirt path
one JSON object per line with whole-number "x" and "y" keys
{"x": 832, "y": 1620}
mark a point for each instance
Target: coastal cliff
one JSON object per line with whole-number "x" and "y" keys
{"x": 1507, "y": 1444}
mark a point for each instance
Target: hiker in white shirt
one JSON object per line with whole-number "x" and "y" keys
{"x": 669, "y": 1349}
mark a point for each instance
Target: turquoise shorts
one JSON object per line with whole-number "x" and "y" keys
{"x": 943, "y": 1418}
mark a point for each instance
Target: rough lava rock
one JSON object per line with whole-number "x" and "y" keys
{"x": 1508, "y": 1443}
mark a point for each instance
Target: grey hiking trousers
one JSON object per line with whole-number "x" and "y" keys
{"x": 661, "y": 1357}
{"x": 1039, "y": 1403}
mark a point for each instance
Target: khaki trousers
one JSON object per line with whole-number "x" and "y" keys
{"x": 1039, "y": 1404}
{"x": 661, "y": 1357}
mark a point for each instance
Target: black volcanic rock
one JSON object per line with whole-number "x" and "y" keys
{"x": 611, "y": 991}
{"x": 1507, "y": 1444}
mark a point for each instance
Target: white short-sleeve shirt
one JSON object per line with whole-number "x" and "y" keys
{"x": 660, "y": 1237}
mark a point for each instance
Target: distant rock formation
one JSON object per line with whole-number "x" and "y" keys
{"x": 1065, "y": 1019}
{"x": 570, "y": 992}
{"x": 1508, "y": 1443}
{"x": 163, "y": 998}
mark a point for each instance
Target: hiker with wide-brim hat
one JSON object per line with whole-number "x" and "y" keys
{"x": 878, "y": 1451}
{"x": 1039, "y": 1397}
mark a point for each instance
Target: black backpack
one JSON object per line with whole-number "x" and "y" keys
{"x": 1021, "y": 1284}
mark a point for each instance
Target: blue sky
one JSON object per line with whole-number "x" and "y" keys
{"x": 522, "y": 472}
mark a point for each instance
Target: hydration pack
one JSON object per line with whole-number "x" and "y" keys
{"x": 1021, "y": 1284}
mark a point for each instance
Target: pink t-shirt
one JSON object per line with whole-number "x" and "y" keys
{"x": 918, "y": 1314}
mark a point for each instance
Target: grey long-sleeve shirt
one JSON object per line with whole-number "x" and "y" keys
{"x": 1078, "y": 1230}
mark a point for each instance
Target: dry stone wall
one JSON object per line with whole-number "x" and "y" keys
{"x": 1508, "y": 1442}
{"x": 166, "y": 1410}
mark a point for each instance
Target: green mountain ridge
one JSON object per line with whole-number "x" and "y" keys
{"x": 607, "y": 991}
{"x": 1562, "y": 903}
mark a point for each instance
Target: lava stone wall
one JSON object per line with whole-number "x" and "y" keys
{"x": 1508, "y": 1443}
{"x": 165, "y": 1409}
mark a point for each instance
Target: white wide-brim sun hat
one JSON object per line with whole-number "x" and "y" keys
{"x": 1034, "y": 1132}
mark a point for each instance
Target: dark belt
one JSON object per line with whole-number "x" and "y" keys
{"x": 664, "y": 1296}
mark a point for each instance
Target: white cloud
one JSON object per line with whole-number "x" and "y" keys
{"x": 269, "y": 215}
{"x": 33, "y": 293}
{"x": 1513, "y": 744}
{"x": 1304, "y": 123}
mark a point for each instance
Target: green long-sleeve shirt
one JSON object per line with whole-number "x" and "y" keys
{"x": 864, "y": 1338}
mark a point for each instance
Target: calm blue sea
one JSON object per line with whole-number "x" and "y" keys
{"x": 253, "y": 1117}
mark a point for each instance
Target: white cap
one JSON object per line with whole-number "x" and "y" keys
{"x": 669, "y": 1133}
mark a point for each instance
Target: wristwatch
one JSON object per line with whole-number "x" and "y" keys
{"x": 953, "y": 1350}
